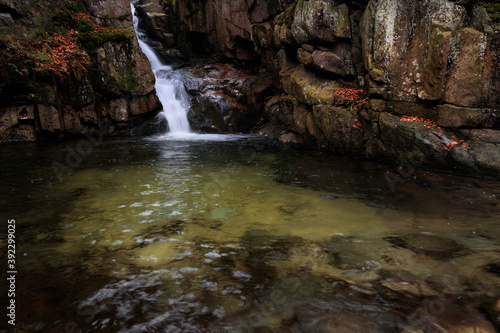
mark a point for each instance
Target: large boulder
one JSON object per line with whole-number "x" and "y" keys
{"x": 338, "y": 130}
{"x": 320, "y": 21}
{"x": 114, "y": 13}
{"x": 467, "y": 57}
{"x": 337, "y": 61}
{"x": 17, "y": 124}
{"x": 225, "y": 99}
{"x": 49, "y": 118}
{"x": 426, "y": 51}
{"x": 125, "y": 71}
{"x": 461, "y": 117}
{"x": 308, "y": 87}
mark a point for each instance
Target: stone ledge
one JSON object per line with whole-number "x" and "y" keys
{"x": 451, "y": 116}
{"x": 486, "y": 135}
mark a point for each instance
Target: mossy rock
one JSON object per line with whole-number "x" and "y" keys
{"x": 308, "y": 87}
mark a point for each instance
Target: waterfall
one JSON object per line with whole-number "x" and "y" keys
{"x": 169, "y": 87}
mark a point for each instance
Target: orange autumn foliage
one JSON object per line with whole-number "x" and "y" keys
{"x": 59, "y": 56}
{"x": 432, "y": 124}
{"x": 355, "y": 101}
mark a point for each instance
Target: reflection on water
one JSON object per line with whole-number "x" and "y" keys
{"x": 232, "y": 234}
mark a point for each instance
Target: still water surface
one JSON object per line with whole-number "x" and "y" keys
{"x": 233, "y": 234}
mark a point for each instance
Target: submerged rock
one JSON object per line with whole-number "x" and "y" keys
{"x": 493, "y": 268}
{"x": 344, "y": 313}
{"x": 404, "y": 282}
{"x": 437, "y": 247}
{"x": 350, "y": 253}
{"x": 441, "y": 315}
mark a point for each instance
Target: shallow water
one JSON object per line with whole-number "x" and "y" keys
{"x": 232, "y": 234}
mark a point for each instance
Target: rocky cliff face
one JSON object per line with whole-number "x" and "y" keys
{"x": 71, "y": 67}
{"x": 414, "y": 83}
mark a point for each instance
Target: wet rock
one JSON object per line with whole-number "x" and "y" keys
{"x": 156, "y": 125}
{"x": 450, "y": 68}
{"x": 264, "y": 10}
{"x": 82, "y": 94}
{"x": 320, "y": 21}
{"x": 441, "y": 315}
{"x": 265, "y": 245}
{"x": 417, "y": 145}
{"x": 342, "y": 323}
{"x": 486, "y": 135}
{"x": 289, "y": 138}
{"x": 144, "y": 104}
{"x": 234, "y": 28}
{"x": 285, "y": 110}
{"x": 6, "y": 19}
{"x": 304, "y": 56}
{"x": 49, "y": 118}
{"x": 116, "y": 13}
{"x": 263, "y": 35}
{"x": 464, "y": 86}
{"x": 496, "y": 313}
{"x": 300, "y": 115}
{"x": 436, "y": 63}
{"x": 311, "y": 127}
{"x": 493, "y": 268}
{"x": 17, "y": 123}
{"x": 338, "y": 61}
{"x": 11, "y": 6}
{"x": 115, "y": 62}
{"x": 346, "y": 314}
{"x": 412, "y": 141}
{"x": 19, "y": 133}
{"x": 72, "y": 122}
{"x": 118, "y": 110}
{"x": 155, "y": 22}
{"x": 350, "y": 253}
{"x": 404, "y": 282}
{"x": 387, "y": 57}
{"x": 270, "y": 131}
{"x": 337, "y": 129}
{"x": 282, "y": 35}
{"x": 456, "y": 117}
{"x": 262, "y": 329}
{"x": 437, "y": 247}
{"x": 308, "y": 87}
{"x": 88, "y": 114}
{"x": 403, "y": 108}
{"x": 487, "y": 157}
{"x": 441, "y": 282}
{"x": 225, "y": 99}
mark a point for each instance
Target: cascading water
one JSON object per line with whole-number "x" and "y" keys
{"x": 169, "y": 87}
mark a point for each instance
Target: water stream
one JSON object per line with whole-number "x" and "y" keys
{"x": 169, "y": 87}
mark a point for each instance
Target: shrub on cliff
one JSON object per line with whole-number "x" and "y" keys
{"x": 58, "y": 46}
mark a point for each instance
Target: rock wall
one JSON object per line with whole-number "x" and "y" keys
{"x": 111, "y": 91}
{"x": 414, "y": 83}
